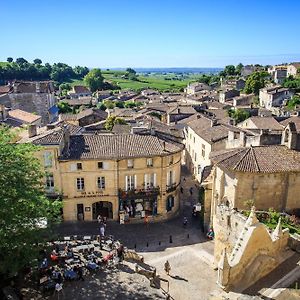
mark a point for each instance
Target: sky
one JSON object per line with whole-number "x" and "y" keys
{"x": 151, "y": 33}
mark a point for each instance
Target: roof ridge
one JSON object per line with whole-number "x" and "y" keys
{"x": 231, "y": 150}
{"x": 255, "y": 158}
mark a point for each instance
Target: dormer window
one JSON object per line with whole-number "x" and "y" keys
{"x": 130, "y": 163}
{"x": 149, "y": 162}
{"x": 100, "y": 164}
{"x": 79, "y": 166}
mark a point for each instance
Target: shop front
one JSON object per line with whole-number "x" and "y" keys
{"x": 137, "y": 204}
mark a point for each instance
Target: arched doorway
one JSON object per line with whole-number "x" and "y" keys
{"x": 102, "y": 208}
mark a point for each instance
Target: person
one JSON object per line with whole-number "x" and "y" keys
{"x": 146, "y": 220}
{"x": 167, "y": 267}
{"x": 102, "y": 230}
{"x": 181, "y": 190}
{"x": 120, "y": 251}
{"x": 191, "y": 190}
{"x": 210, "y": 235}
{"x": 99, "y": 218}
{"x": 185, "y": 221}
{"x": 194, "y": 211}
{"x": 80, "y": 273}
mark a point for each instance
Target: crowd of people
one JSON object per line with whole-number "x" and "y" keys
{"x": 72, "y": 259}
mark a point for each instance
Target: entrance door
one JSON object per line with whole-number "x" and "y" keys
{"x": 80, "y": 213}
{"x": 102, "y": 208}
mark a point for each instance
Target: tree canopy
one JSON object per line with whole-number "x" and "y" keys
{"x": 21, "y": 69}
{"x": 238, "y": 115}
{"x": 94, "y": 80}
{"x": 23, "y": 204}
{"x": 112, "y": 120}
{"x": 255, "y": 82}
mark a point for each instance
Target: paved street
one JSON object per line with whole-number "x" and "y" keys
{"x": 190, "y": 254}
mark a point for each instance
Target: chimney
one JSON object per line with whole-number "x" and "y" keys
{"x": 198, "y": 116}
{"x": 66, "y": 137}
{"x": 32, "y": 130}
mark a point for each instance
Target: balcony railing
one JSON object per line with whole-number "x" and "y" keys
{"x": 171, "y": 187}
{"x": 139, "y": 193}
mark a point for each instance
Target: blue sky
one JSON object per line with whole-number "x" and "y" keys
{"x": 156, "y": 33}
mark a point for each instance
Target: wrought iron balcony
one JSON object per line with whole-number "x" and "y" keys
{"x": 171, "y": 187}
{"x": 139, "y": 193}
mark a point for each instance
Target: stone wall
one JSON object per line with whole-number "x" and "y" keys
{"x": 245, "y": 250}
{"x": 38, "y": 103}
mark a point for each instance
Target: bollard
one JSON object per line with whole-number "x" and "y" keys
{"x": 171, "y": 241}
{"x": 188, "y": 236}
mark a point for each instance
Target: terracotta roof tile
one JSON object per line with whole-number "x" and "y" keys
{"x": 260, "y": 159}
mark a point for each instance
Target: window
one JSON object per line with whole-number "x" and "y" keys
{"x": 130, "y": 163}
{"x": 203, "y": 150}
{"x": 195, "y": 156}
{"x": 189, "y": 148}
{"x": 170, "y": 203}
{"x": 194, "y": 140}
{"x": 150, "y": 180}
{"x": 130, "y": 182}
{"x": 100, "y": 164}
{"x": 49, "y": 182}
{"x": 101, "y": 183}
{"x": 48, "y": 159}
{"x": 149, "y": 162}
{"x": 80, "y": 184}
{"x": 79, "y": 166}
{"x": 199, "y": 169}
{"x": 170, "y": 177}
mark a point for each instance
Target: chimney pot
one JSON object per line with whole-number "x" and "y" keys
{"x": 32, "y": 130}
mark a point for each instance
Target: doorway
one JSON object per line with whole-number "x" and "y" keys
{"x": 102, "y": 208}
{"x": 80, "y": 213}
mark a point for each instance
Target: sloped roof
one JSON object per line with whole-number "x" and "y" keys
{"x": 295, "y": 120}
{"x": 265, "y": 123}
{"x": 87, "y": 146}
{"x": 80, "y": 89}
{"x": 259, "y": 159}
{"x": 23, "y": 116}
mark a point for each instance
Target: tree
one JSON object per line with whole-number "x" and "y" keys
{"x": 64, "y": 107}
{"x": 120, "y": 104}
{"x": 255, "y": 82}
{"x": 238, "y": 68}
{"x": 229, "y": 70}
{"x": 111, "y": 121}
{"x": 94, "y": 80}
{"x": 21, "y": 61}
{"x": 130, "y": 71}
{"x": 239, "y": 115}
{"x": 295, "y": 100}
{"x": 22, "y": 204}
{"x": 37, "y": 61}
{"x": 10, "y": 59}
{"x": 101, "y": 106}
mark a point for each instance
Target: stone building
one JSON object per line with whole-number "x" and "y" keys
{"x": 111, "y": 175}
{"x": 31, "y": 96}
{"x": 268, "y": 175}
{"x": 227, "y": 94}
{"x": 293, "y": 69}
{"x": 275, "y": 96}
{"x": 245, "y": 250}
{"x": 195, "y": 87}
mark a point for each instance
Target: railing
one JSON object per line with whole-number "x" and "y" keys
{"x": 171, "y": 187}
{"x": 139, "y": 193}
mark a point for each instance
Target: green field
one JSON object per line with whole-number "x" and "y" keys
{"x": 159, "y": 82}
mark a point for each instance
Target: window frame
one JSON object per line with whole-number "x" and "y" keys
{"x": 80, "y": 183}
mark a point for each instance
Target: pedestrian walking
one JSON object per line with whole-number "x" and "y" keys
{"x": 167, "y": 267}
{"x": 102, "y": 231}
{"x": 146, "y": 221}
{"x": 191, "y": 190}
{"x": 181, "y": 190}
{"x": 184, "y": 179}
{"x": 185, "y": 221}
